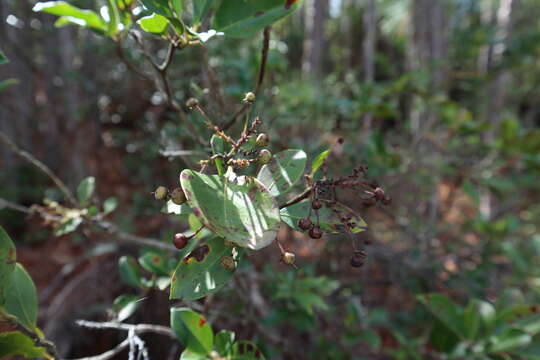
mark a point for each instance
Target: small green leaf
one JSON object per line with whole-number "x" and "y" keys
{"x": 85, "y": 190}
{"x": 223, "y": 342}
{"x": 159, "y": 7}
{"x": 192, "y": 330}
{"x": 239, "y": 209}
{"x": 240, "y": 18}
{"x": 154, "y": 24}
{"x": 125, "y": 306}
{"x": 71, "y": 14}
{"x": 68, "y": 225}
{"x": 3, "y": 58}
{"x": 154, "y": 263}
{"x": 16, "y": 343}
{"x": 21, "y": 298}
{"x": 510, "y": 339}
{"x": 195, "y": 277}
{"x": 4, "y": 84}
{"x": 329, "y": 217}
{"x": 129, "y": 271}
{"x": 114, "y": 17}
{"x": 109, "y": 205}
{"x": 200, "y": 8}
{"x": 8, "y": 258}
{"x": 283, "y": 171}
{"x": 319, "y": 160}
{"x": 445, "y": 310}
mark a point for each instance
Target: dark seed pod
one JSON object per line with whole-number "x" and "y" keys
{"x": 180, "y": 241}
{"x": 358, "y": 259}
{"x": 178, "y": 197}
{"x": 227, "y": 262}
{"x": 315, "y": 232}
{"x": 161, "y": 193}
{"x": 305, "y": 224}
{"x": 316, "y": 204}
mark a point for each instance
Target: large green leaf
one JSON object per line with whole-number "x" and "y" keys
{"x": 329, "y": 218}
{"x": 192, "y": 330}
{"x": 446, "y": 311}
{"x": 85, "y": 190}
{"x": 508, "y": 340}
{"x": 198, "y": 276}
{"x": 240, "y": 209}
{"x": 7, "y": 263}
{"x": 154, "y": 24}
{"x": 242, "y": 18}
{"x": 16, "y": 343}
{"x": 72, "y": 14}
{"x": 21, "y": 298}
{"x": 283, "y": 171}
{"x": 200, "y": 8}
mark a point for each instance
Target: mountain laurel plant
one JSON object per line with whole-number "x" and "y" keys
{"x": 234, "y": 203}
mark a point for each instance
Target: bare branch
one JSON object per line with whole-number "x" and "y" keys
{"x": 130, "y": 66}
{"x": 138, "y": 328}
{"x": 41, "y": 166}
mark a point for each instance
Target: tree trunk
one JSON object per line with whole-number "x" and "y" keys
{"x": 314, "y": 43}
{"x": 370, "y": 33}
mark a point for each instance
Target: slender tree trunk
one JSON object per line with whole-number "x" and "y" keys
{"x": 314, "y": 43}
{"x": 370, "y": 33}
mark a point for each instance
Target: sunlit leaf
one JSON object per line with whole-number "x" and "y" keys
{"x": 85, "y": 190}
{"x": 154, "y": 24}
{"x": 192, "y": 330}
{"x": 72, "y": 14}
{"x": 283, "y": 171}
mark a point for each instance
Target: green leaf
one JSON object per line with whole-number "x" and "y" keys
{"x": 178, "y": 7}
{"x": 71, "y": 14}
{"x": 283, "y": 171}
{"x": 114, "y": 17}
{"x": 241, "y": 18}
{"x": 16, "y": 343}
{"x": 172, "y": 208}
{"x": 154, "y": 263}
{"x": 154, "y": 24}
{"x": 223, "y": 342}
{"x": 68, "y": 225}
{"x": 246, "y": 350}
{"x": 109, "y": 205}
{"x": 3, "y": 58}
{"x": 125, "y": 306}
{"x": 85, "y": 190}
{"x": 319, "y": 160}
{"x": 471, "y": 318}
{"x": 200, "y": 8}
{"x": 445, "y": 310}
{"x": 159, "y": 7}
{"x": 8, "y": 257}
{"x": 129, "y": 271}
{"x": 4, "y": 84}
{"x": 192, "y": 330}
{"x": 21, "y": 298}
{"x": 329, "y": 218}
{"x": 510, "y": 339}
{"x": 239, "y": 209}
{"x": 195, "y": 277}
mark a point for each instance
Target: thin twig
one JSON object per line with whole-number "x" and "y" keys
{"x": 41, "y": 166}
{"x": 260, "y": 78}
{"x": 298, "y": 198}
{"x": 137, "y": 328}
{"x": 130, "y": 66}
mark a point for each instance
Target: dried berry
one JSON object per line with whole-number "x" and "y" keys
{"x": 228, "y": 263}
{"x": 378, "y": 193}
{"x": 161, "y": 193}
{"x": 178, "y": 197}
{"x": 358, "y": 259}
{"x": 249, "y": 97}
{"x": 262, "y": 140}
{"x": 264, "y": 157}
{"x": 316, "y": 204}
{"x": 315, "y": 232}
{"x": 288, "y": 258}
{"x": 192, "y": 103}
{"x": 180, "y": 241}
{"x": 305, "y": 224}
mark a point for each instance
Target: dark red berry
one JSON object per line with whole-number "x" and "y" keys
{"x": 315, "y": 232}
{"x": 316, "y": 204}
{"x": 180, "y": 241}
{"x": 305, "y": 224}
{"x": 379, "y": 193}
{"x": 358, "y": 259}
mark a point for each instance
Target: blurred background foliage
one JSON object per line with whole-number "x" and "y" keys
{"x": 438, "y": 97}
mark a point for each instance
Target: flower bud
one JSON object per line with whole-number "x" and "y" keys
{"x": 249, "y": 97}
